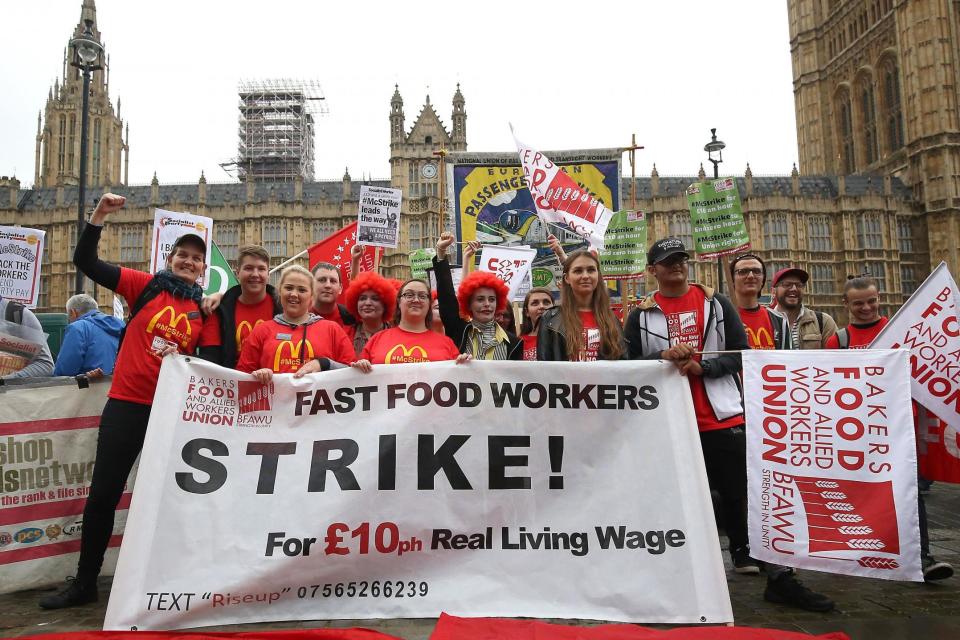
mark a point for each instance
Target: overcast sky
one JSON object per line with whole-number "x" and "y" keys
{"x": 567, "y": 78}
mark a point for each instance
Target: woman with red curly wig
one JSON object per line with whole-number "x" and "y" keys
{"x": 370, "y": 299}
{"x": 480, "y": 297}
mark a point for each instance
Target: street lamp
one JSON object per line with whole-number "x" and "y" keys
{"x": 88, "y": 57}
{"x": 716, "y": 146}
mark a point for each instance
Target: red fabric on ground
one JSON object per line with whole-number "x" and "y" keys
{"x": 291, "y": 634}
{"x": 454, "y": 628}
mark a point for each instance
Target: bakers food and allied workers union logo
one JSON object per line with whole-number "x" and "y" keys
{"x": 400, "y": 354}
{"x": 210, "y": 400}
{"x": 288, "y": 354}
{"x": 172, "y": 325}
{"x": 244, "y": 329}
{"x": 53, "y": 531}
{"x": 253, "y": 396}
{"x": 28, "y": 535}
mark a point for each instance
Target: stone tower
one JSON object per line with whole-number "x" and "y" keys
{"x": 58, "y": 129}
{"x": 875, "y": 92}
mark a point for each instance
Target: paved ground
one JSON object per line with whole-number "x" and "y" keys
{"x": 866, "y": 609}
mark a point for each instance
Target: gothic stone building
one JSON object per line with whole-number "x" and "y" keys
{"x": 887, "y": 209}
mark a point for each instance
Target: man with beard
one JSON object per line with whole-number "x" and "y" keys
{"x": 809, "y": 329}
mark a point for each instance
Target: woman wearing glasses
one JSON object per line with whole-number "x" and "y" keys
{"x": 583, "y": 328}
{"x": 411, "y": 339}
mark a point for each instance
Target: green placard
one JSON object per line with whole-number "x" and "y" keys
{"x": 420, "y": 261}
{"x": 220, "y": 277}
{"x": 624, "y": 254}
{"x": 716, "y": 218}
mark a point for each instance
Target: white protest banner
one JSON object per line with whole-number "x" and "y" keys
{"x": 48, "y": 443}
{"x": 378, "y": 220}
{"x": 929, "y": 326}
{"x": 21, "y": 251}
{"x": 170, "y": 225}
{"x": 832, "y": 462}
{"x": 486, "y": 489}
{"x": 510, "y": 264}
{"x": 560, "y": 200}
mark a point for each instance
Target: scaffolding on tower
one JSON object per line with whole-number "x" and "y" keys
{"x": 277, "y": 119}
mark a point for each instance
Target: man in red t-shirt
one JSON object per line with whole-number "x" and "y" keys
{"x": 326, "y": 289}
{"x": 248, "y": 304}
{"x": 678, "y": 322}
{"x": 766, "y": 329}
{"x": 861, "y": 297}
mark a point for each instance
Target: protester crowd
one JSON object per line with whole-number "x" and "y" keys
{"x": 300, "y": 328}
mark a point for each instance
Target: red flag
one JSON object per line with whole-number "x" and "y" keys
{"x": 335, "y": 249}
{"x": 454, "y": 628}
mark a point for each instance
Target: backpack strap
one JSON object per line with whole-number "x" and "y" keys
{"x": 819, "y": 315}
{"x": 151, "y": 291}
{"x": 843, "y": 338}
{"x": 14, "y": 312}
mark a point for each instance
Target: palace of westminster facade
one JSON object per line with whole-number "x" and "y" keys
{"x": 876, "y": 93}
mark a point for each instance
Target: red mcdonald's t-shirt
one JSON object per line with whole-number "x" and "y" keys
{"x": 397, "y": 346}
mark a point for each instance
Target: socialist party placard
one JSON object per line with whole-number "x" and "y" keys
{"x": 485, "y": 489}
{"x": 21, "y": 250}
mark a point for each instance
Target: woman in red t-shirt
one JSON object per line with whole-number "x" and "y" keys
{"x": 370, "y": 299}
{"x": 295, "y": 341}
{"x": 535, "y": 303}
{"x": 411, "y": 340}
{"x": 584, "y": 327}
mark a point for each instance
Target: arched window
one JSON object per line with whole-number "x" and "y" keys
{"x": 892, "y": 112}
{"x": 845, "y": 127}
{"x": 679, "y": 227}
{"x": 868, "y": 113}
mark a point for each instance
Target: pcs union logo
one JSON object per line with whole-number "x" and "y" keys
{"x": 28, "y": 535}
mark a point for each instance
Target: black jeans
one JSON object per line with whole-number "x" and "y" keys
{"x": 725, "y": 456}
{"x": 123, "y": 426}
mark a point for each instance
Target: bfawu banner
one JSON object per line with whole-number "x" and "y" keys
{"x": 938, "y": 447}
{"x": 48, "y": 443}
{"x": 484, "y": 489}
{"x": 831, "y": 462}
{"x": 928, "y": 324}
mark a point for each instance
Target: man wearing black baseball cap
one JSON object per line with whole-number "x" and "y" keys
{"x": 809, "y": 329}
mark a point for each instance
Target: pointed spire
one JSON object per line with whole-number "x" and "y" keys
{"x": 793, "y": 173}
{"x": 654, "y": 173}
{"x": 428, "y": 99}
{"x": 397, "y": 98}
{"x": 65, "y": 62}
{"x": 88, "y": 11}
{"x": 748, "y": 173}
{"x": 702, "y": 174}
{"x": 458, "y": 97}
{"x": 155, "y": 182}
{"x": 39, "y": 120}
{"x": 118, "y": 108}
{"x": 203, "y": 179}
{"x": 346, "y": 174}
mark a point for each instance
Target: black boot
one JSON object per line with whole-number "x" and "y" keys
{"x": 76, "y": 593}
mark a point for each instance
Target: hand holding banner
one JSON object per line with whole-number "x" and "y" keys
{"x": 560, "y": 200}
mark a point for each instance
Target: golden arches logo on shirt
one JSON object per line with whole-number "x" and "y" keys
{"x": 292, "y": 357}
{"x": 244, "y": 329}
{"x": 761, "y": 339}
{"x": 167, "y": 321}
{"x": 400, "y": 354}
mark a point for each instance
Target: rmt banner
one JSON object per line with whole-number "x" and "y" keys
{"x": 484, "y": 489}
{"x": 831, "y": 462}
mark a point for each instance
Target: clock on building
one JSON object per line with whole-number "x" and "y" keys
{"x": 429, "y": 171}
